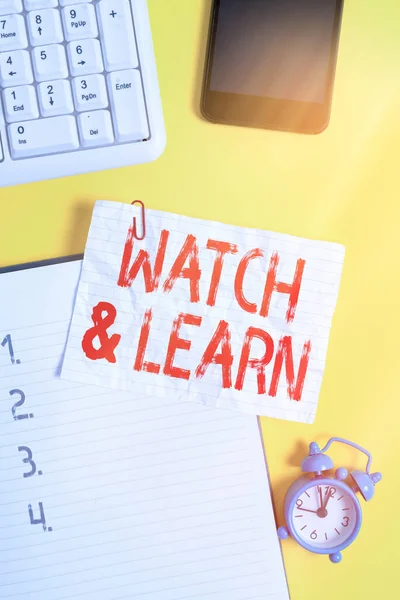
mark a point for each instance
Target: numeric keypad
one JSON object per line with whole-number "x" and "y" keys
{"x": 70, "y": 66}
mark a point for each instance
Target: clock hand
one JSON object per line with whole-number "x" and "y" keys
{"x": 328, "y": 495}
{"x": 320, "y": 496}
{"x": 307, "y": 510}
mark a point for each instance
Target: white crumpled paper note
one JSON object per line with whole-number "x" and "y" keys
{"x": 231, "y": 317}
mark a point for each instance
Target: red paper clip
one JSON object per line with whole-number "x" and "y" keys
{"x": 135, "y": 235}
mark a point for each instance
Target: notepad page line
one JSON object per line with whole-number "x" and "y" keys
{"x": 151, "y": 442}
{"x": 119, "y": 449}
{"x": 115, "y": 588}
{"x": 96, "y": 549}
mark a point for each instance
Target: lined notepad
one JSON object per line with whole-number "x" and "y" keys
{"x": 210, "y": 284}
{"x": 106, "y": 496}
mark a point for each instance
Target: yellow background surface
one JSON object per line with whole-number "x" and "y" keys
{"x": 343, "y": 186}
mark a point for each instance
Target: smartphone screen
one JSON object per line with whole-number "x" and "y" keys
{"x": 271, "y": 63}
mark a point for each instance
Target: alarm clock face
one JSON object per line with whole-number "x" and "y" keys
{"x": 325, "y": 515}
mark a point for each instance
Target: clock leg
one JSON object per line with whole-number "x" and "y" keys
{"x": 336, "y": 557}
{"x": 283, "y": 533}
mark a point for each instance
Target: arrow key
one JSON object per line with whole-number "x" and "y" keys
{"x": 15, "y": 68}
{"x": 84, "y": 57}
{"x": 55, "y": 98}
{"x": 45, "y": 27}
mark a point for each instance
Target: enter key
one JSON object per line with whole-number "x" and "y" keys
{"x": 127, "y": 105}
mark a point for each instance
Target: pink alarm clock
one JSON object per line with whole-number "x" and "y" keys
{"x": 323, "y": 514}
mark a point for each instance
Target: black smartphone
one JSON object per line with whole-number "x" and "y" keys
{"x": 271, "y": 63}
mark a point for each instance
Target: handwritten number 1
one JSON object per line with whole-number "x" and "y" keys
{"x": 7, "y": 341}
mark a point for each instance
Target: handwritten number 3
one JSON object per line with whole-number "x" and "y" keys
{"x": 28, "y": 460}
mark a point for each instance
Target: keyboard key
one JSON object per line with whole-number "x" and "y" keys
{"x": 50, "y": 62}
{"x": 127, "y": 104}
{"x": 45, "y": 27}
{"x": 90, "y": 92}
{"x": 12, "y": 33}
{"x": 69, "y": 2}
{"x": 118, "y": 36}
{"x": 55, "y": 98}
{"x": 96, "y": 128}
{"x": 85, "y": 57}
{"x": 79, "y": 22}
{"x": 43, "y": 136}
{"x": 10, "y": 6}
{"x": 15, "y": 68}
{"x": 20, "y": 103}
{"x": 37, "y": 4}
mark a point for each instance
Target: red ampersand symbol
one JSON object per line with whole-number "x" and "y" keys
{"x": 101, "y": 324}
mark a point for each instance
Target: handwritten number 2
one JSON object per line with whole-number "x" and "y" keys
{"x": 28, "y": 460}
{"x": 17, "y": 404}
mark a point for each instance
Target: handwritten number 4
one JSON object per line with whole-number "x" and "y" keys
{"x": 41, "y": 520}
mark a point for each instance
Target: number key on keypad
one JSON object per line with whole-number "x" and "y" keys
{"x": 69, "y": 2}
{"x": 85, "y": 57}
{"x": 55, "y": 98}
{"x": 37, "y": 4}
{"x": 43, "y": 136}
{"x": 96, "y": 128}
{"x": 90, "y": 92}
{"x": 15, "y": 68}
{"x": 10, "y": 6}
{"x": 45, "y": 27}
{"x": 79, "y": 22}
{"x": 20, "y": 103}
{"x": 12, "y": 33}
{"x": 49, "y": 62}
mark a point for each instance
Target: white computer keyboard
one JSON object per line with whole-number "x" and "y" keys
{"x": 79, "y": 88}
